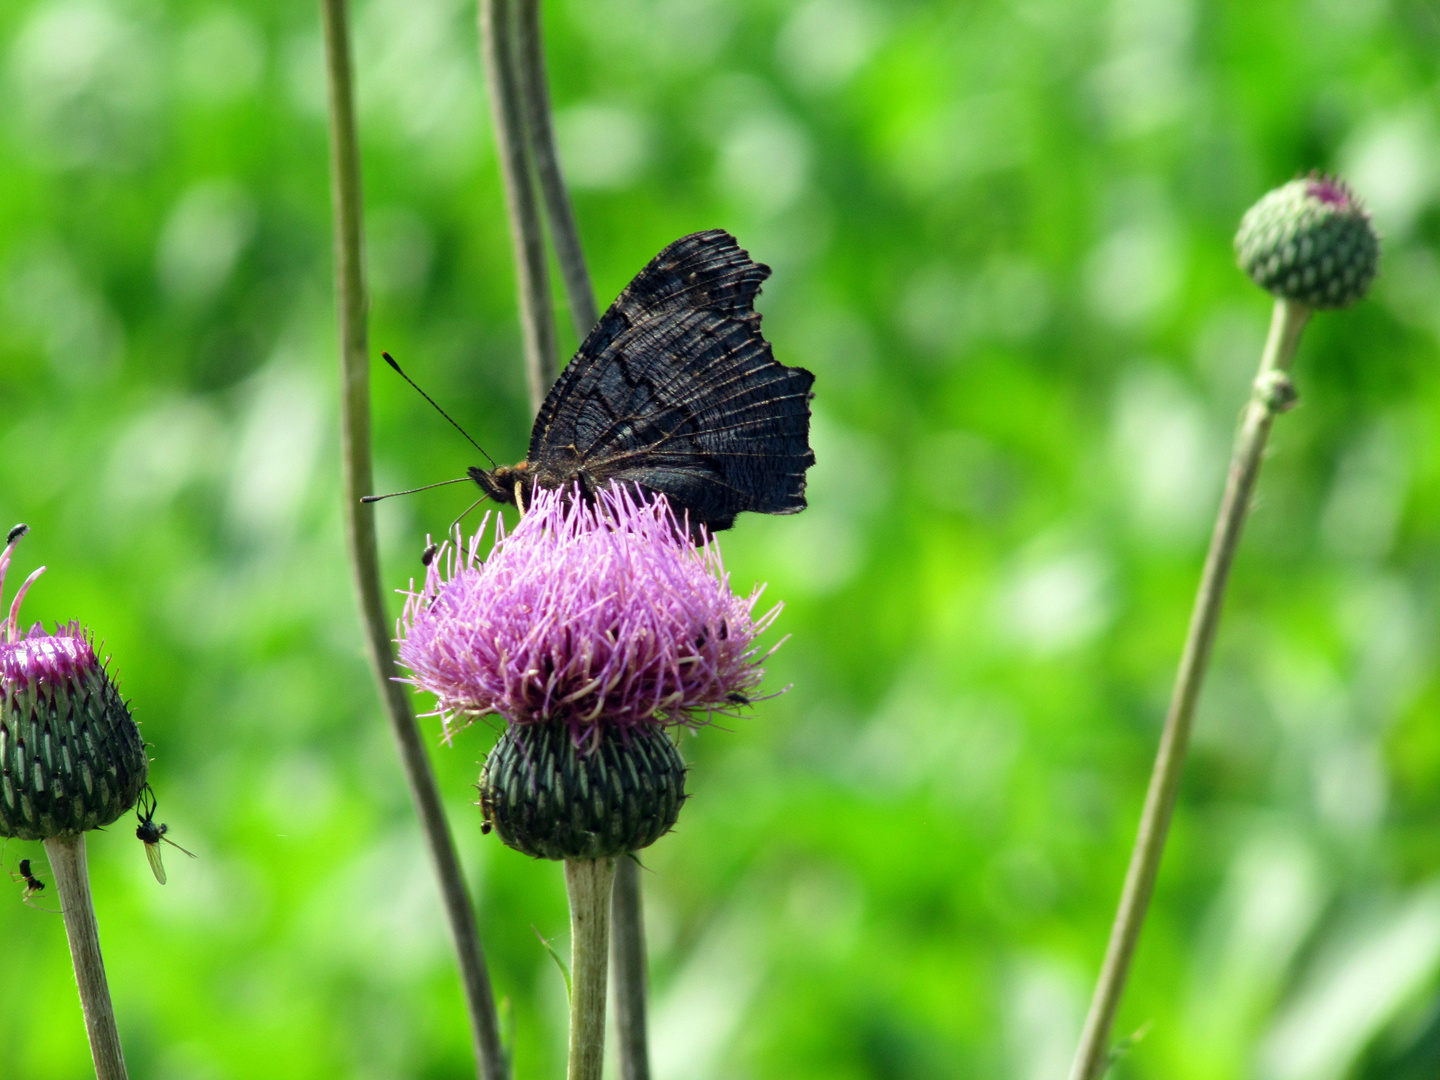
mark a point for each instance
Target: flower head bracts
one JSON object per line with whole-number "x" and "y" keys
{"x": 1310, "y": 241}
{"x": 591, "y": 613}
{"x": 71, "y": 756}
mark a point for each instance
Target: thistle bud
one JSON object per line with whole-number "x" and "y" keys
{"x": 71, "y": 758}
{"x": 1310, "y": 241}
{"x": 591, "y": 629}
{"x": 549, "y": 798}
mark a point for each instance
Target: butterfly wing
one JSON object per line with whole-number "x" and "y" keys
{"x": 676, "y": 389}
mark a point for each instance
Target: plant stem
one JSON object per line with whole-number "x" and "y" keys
{"x": 1272, "y": 393}
{"x": 628, "y": 943}
{"x": 589, "y": 884}
{"x": 628, "y": 946}
{"x": 364, "y": 555}
{"x": 537, "y": 320}
{"x": 627, "y": 954}
{"x": 541, "y": 130}
{"x": 72, "y": 883}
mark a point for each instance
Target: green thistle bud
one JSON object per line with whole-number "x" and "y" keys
{"x": 549, "y": 798}
{"x": 71, "y": 758}
{"x": 1310, "y": 241}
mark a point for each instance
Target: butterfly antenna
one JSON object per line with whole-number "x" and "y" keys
{"x": 412, "y": 491}
{"x": 391, "y": 361}
{"x": 463, "y": 516}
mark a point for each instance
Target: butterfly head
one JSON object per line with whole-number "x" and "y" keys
{"x": 500, "y": 482}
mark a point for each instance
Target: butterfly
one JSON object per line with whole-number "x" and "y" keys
{"x": 676, "y": 390}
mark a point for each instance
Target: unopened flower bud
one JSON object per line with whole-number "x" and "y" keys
{"x": 550, "y": 798}
{"x": 71, "y": 758}
{"x": 1310, "y": 241}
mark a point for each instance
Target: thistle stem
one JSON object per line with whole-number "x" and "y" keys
{"x": 364, "y": 554}
{"x": 589, "y": 884}
{"x": 1272, "y": 393}
{"x": 541, "y": 130}
{"x": 72, "y": 883}
{"x": 627, "y": 954}
{"x": 628, "y": 944}
{"x": 507, "y": 107}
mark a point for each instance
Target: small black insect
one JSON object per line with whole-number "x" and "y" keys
{"x": 16, "y": 533}
{"x": 151, "y": 834}
{"x": 675, "y": 390}
{"x": 33, "y": 884}
{"x": 428, "y": 555}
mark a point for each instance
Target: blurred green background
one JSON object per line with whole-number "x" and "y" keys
{"x": 1001, "y": 239}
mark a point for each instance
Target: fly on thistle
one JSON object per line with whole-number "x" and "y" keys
{"x": 152, "y": 834}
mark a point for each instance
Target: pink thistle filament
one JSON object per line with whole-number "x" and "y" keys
{"x": 596, "y": 614}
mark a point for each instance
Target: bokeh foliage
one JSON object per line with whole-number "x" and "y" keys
{"x": 1001, "y": 239}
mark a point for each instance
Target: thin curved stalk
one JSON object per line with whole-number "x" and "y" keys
{"x": 541, "y": 130}
{"x": 364, "y": 555}
{"x": 627, "y": 956}
{"x": 72, "y": 884}
{"x": 1272, "y": 394}
{"x": 527, "y": 235}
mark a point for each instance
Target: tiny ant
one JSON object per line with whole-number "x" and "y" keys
{"x": 151, "y": 834}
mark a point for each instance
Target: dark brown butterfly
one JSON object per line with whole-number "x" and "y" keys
{"x": 676, "y": 390}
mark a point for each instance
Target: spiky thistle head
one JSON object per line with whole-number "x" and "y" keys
{"x": 594, "y": 614}
{"x": 590, "y": 629}
{"x": 71, "y": 757}
{"x": 1310, "y": 241}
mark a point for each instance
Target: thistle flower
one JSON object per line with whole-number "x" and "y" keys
{"x": 592, "y": 614}
{"x": 1310, "y": 241}
{"x": 71, "y": 758}
{"x": 590, "y": 629}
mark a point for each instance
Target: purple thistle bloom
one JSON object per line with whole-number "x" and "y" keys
{"x": 596, "y": 615}
{"x": 1329, "y": 190}
{"x": 50, "y": 659}
{"x": 37, "y": 657}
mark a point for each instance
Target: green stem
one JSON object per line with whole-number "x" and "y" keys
{"x": 1273, "y": 393}
{"x": 628, "y": 945}
{"x": 72, "y": 883}
{"x": 364, "y": 554}
{"x": 541, "y": 130}
{"x": 507, "y": 107}
{"x": 589, "y": 884}
{"x": 627, "y": 953}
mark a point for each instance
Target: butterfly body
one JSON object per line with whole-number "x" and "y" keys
{"x": 676, "y": 391}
